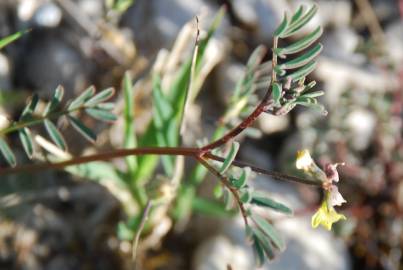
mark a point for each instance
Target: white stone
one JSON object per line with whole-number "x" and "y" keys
{"x": 341, "y": 43}
{"x": 336, "y": 13}
{"x": 218, "y": 252}
{"x": 48, "y": 15}
{"x": 271, "y": 124}
{"x": 5, "y": 83}
{"x": 93, "y": 8}
{"x": 362, "y": 124}
{"x": 26, "y": 9}
{"x": 394, "y": 42}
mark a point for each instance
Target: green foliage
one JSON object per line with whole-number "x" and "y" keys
{"x": 290, "y": 89}
{"x": 11, "y": 38}
{"x": 87, "y": 102}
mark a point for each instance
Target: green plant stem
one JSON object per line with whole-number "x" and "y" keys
{"x": 225, "y": 181}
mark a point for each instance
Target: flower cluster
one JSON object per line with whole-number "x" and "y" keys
{"x": 326, "y": 214}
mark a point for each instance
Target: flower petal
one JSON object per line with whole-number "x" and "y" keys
{"x": 331, "y": 171}
{"x": 304, "y": 160}
{"x": 326, "y": 216}
{"x": 334, "y": 197}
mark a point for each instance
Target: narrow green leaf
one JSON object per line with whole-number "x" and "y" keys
{"x": 55, "y": 134}
{"x": 302, "y": 72}
{"x": 269, "y": 231}
{"x": 245, "y": 195}
{"x": 300, "y": 22}
{"x": 218, "y": 191}
{"x": 7, "y": 153}
{"x": 228, "y": 199}
{"x": 30, "y": 108}
{"x": 230, "y": 157}
{"x": 301, "y": 44}
{"x": 79, "y": 101}
{"x": 100, "y": 97}
{"x": 82, "y": 129}
{"x": 259, "y": 251}
{"x": 267, "y": 202}
{"x": 278, "y": 69}
{"x": 26, "y": 141}
{"x": 265, "y": 243}
{"x": 311, "y": 103}
{"x": 106, "y": 106}
{"x": 11, "y": 38}
{"x": 277, "y": 93}
{"x": 102, "y": 115}
{"x": 297, "y": 14}
{"x": 129, "y": 136}
{"x": 282, "y": 27}
{"x": 313, "y": 94}
{"x": 55, "y": 101}
{"x": 241, "y": 181}
{"x": 303, "y": 59}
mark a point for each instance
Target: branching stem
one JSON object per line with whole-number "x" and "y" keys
{"x": 225, "y": 181}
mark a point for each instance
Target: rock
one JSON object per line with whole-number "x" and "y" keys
{"x": 155, "y": 24}
{"x": 5, "y": 83}
{"x": 336, "y": 13}
{"x": 26, "y": 9}
{"x": 362, "y": 125}
{"x": 218, "y": 252}
{"x": 339, "y": 75}
{"x": 262, "y": 15}
{"x": 48, "y": 15}
{"x": 386, "y": 10}
{"x": 269, "y": 123}
{"x": 93, "y": 8}
{"x": 394, "y": 42}
{"x": 341, "y": 44}
{"x": 48, "y": 61}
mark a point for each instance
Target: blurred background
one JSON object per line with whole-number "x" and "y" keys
{"x": 55, "y": 220}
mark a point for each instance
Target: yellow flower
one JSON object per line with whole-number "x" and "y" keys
{"x": 304, "y": 160}
{"x": 307, "y": 164}
{"x": 326, "y": 215}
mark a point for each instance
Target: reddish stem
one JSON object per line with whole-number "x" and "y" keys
{"x": 173, "y": 151}
{"x": 265, "y": 105}
{"x": 225, "y": 181}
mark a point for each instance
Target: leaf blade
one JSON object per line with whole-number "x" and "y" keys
{"x": 82, "y": 129}
{"x": 55, "y": 134}
{"x": 102, "y": 96}
{"x": 303, "y": 59}
{"x": 269, "y": 231}
{"x": 267, "y": 202}
{"x": 26, "y": 141}
{"x": 79, "y": 101}
{"x": 7, "y": 153}
{"x": 301, "y": 44}
{"x": 101, "y": 115}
